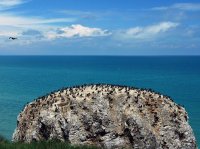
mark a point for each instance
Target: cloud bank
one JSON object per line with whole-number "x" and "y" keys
{"x": 147, "y": 32}
{"x": 176, "y": 27}
{"x": 77, "y": 30}
{"x": 8, "y": 4}
{"x": 22, "y": 21}
{"x": 181, "y": 6}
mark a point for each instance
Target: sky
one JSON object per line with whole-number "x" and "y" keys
{"x": 100, "y": 27}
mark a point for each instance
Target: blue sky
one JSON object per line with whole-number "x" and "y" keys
{"x": 106, "y": 27}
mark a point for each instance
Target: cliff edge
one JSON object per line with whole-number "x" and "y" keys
{"x": 107, "y": 116}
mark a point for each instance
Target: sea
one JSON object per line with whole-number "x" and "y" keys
{"x": 24, "y": 78}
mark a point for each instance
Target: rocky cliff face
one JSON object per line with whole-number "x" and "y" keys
{"x": 107, "y": 116}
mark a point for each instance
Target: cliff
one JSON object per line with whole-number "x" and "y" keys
{"x": 107, "y": 116}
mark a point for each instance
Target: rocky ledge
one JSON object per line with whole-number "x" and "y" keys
{"x": 107, "y": 116}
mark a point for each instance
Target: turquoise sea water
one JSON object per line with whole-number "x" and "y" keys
{"x": 24, "y": 78}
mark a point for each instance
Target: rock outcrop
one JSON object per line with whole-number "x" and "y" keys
{"x": 107, "y": 116}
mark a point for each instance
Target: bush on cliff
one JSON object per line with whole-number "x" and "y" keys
{"x": 5, "y": 144}
{"x": 2, "y": 139}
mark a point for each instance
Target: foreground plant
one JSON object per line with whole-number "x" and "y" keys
{"x": 4, "y": 144}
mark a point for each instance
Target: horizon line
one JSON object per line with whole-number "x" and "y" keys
{"x": 110, "y": 55}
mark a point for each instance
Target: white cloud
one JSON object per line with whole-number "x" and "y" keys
{"x": 7, "y": 31}
{"x": 77, "y": 31}
{"x": 13, "y": 25}
{"x": 147, "y": 32}
{"x": 7, "y": 4}
{"x": 31, "y": 32}
{"x": 180, "y": 6}
{"x": 13, "y": 20}
{"x": 187, "y": 6}
{"x": 35, "y": 34}
{"x": 75, "y": 12}
{"x": 16, "y": 25}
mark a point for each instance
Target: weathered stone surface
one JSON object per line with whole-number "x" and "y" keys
{"x": 107, "y": 116}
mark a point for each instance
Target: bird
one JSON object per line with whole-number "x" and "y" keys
{"x": 13, "y": 38}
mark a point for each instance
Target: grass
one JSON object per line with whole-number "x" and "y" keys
{"x": 5, "y": 144}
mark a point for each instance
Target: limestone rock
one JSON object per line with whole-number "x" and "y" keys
{"x": 107, "y": 116}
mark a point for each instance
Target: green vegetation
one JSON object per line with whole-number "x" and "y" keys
{"x": 5, "y": 144}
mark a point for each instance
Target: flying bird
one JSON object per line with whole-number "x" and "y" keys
{"x": 13, "y": 38}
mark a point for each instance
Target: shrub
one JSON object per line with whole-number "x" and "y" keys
{"x": 4, "y": 144}
{"x": 2, "y": 139}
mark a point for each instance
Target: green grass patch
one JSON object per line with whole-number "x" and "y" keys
{"x": 5, "y": 144}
